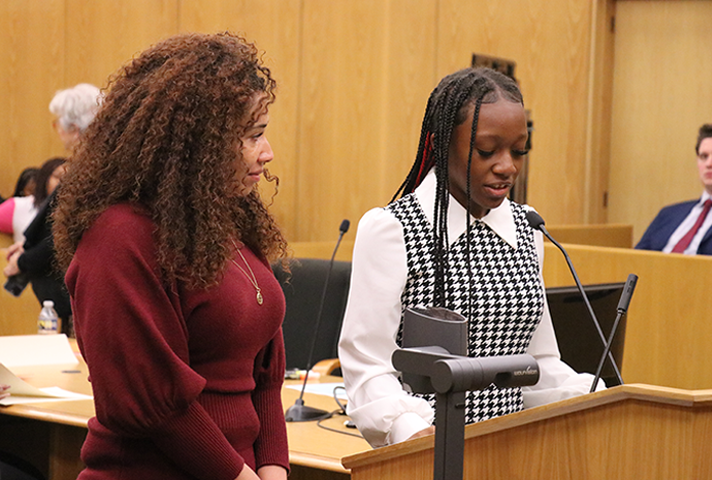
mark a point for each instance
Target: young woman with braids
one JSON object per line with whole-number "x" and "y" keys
{"x": 452, "y": 240}
{"x": 167, "y": 247}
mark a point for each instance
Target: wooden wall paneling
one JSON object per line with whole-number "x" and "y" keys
{"x": 661, "y": 96}
{"x": 409, "y": 62}
{"x": 550, "y": 41}
{"x": 275, "y": 27}
{"x": 31, "y": 70}
{"x": 105, "y": 35}
{"x": 354, "y": 108}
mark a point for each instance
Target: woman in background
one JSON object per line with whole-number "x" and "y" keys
{"x": 453, "y": 240}
{"x": 33, "y": 258}
{"x": 167, "y": 245}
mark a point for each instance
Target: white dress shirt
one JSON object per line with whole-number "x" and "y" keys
{"x": 384, "y": 413}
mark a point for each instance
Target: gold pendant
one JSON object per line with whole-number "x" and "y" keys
{"x": 259, "y": 297}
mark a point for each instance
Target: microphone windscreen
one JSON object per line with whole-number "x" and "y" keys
{"x": 535, "y": 220}
{"x": 624, "y": 301}
{"x": 344, "y": 227}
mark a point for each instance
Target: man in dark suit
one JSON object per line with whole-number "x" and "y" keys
{"x": 686, "y": 227}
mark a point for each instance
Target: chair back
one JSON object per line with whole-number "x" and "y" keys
{"x": 303, "y": 291}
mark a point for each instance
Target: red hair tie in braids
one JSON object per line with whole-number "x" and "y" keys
{"x": 427, "y": 160}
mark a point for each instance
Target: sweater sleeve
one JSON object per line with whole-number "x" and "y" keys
{"x": 271, "y": 445}
{"x": 7, "y": 209}
{"x": 38, "y": 257}
{"x": 134, "y": 339}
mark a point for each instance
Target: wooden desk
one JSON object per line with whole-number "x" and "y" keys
{"x": 315, "y": 453}
{"x": 50, "y": 435}
{"x": 628, "y": 432}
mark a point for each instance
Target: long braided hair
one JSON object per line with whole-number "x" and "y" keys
{"x": 448, "y": 106}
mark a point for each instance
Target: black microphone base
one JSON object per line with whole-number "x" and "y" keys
{"x": 303, "y": 413}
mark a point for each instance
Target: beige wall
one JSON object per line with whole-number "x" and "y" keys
{"x": 661, "y": 96}
{"x": 354, "y": 76}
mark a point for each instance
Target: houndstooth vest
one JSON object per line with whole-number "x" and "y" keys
{"x": 506, "y": 294}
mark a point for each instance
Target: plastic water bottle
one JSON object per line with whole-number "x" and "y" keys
{"x": 48, "y": 322}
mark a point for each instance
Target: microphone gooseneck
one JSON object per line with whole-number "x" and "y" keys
{"x": 537, "y": 223}
{"x": 300, "y": 412}
{"x": 621, "y": 311}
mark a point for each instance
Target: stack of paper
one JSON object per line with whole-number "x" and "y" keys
{"x": 34, "y": 350}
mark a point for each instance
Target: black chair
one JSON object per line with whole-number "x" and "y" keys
{"x": 579, "y": 342}
{"x": 303, "y": 291}
{"x": 15, "y": 468}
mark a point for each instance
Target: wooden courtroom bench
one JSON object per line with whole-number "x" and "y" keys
{"x": 608, "y": 235}
{"x": 668, "y": 330}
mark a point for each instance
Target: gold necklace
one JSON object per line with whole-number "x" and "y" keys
{"x": 251, "y": 277}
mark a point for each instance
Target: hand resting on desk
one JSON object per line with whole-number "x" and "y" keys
{"x": 423, "y": 433}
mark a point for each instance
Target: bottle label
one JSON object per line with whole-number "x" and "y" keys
{"x": 46, "y": 324}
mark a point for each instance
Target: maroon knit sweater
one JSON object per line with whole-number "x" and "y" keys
{"x": 187, "y": 383}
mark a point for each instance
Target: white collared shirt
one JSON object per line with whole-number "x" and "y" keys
{"x": 384, "y": 413}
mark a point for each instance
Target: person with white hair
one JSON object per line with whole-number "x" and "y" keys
{"x": 74, "y": 109}
{"x": 33, "y": 260}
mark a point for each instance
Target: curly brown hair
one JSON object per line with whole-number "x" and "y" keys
{"x": 168, "y": 139}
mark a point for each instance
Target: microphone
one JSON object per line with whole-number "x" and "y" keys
{"x": 537, "y": 223}
{"x": 300, "y": 412}
{"x": 622, "y": 310}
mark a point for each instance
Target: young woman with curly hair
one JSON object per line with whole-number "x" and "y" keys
{"x": 167, "y": 247}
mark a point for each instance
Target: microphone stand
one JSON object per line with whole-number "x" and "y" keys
{"x": 536, "y": 222}
{"x": 299, "y": 412}
{"x": 450, "y": 377}
{"x": 622, "y": 310}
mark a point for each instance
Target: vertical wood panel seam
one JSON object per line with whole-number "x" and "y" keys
{"x": 179, "y": 16}
{"x": 297, "y": 210}
{"x": 65, "y": 42}
{"x": 588, "y": 157}
{"x": 436, "y": 35}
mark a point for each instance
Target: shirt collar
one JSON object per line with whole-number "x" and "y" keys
{"x": 499, "y": 219}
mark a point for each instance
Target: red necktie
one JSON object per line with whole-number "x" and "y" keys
{"x": 685, "y": 241}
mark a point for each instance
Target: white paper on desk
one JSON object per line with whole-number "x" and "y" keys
{"x": 31, "y": 350}
{"x": 322, "y": 389}
{"x": 23, "y": 392}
